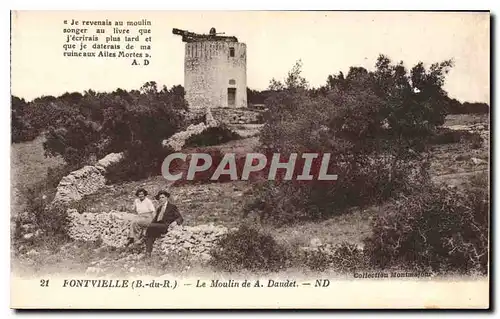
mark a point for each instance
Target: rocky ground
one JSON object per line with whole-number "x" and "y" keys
{"x": 209, "y": 211}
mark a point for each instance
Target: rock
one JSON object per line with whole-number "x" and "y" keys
{"x": 32, "y": 252}
{"x": 315, "y": 242}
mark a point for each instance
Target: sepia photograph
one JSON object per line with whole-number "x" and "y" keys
{"x": 250, "y": 159}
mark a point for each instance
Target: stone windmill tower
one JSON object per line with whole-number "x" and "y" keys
{"x": 215, "y": 70}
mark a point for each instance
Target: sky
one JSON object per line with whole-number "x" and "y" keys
{"x": 325, "y": 42}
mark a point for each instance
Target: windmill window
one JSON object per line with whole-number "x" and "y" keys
{"x": 231, "y": 52}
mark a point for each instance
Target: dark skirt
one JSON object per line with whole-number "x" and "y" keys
{"x": 156, "y": 230}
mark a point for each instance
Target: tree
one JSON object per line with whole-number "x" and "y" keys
{"x": 94, "y": 124}
{"x": 76, "y": 140}
{"x": 149, "y": 88}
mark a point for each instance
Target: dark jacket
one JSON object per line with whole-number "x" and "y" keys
{"x": 158, "y": 228}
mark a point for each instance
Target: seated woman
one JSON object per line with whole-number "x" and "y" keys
{"x": 166, "y": 213}
{"x": 144, "y": 207}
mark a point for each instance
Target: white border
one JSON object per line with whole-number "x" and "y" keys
{"x": 187, "y": 5}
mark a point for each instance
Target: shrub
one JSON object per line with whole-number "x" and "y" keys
{"x": 475, "y": 141}
{"x": 77, "y": 140}
{"x": 437, "y": 229}
{"x": 343, "y": 258}
{"x": 138, "y": 163}
{"x": 50, "y": 222}
{"x": 456, "y": 107}
{"x": 316, "y": 260}
{"x": 47, "y": 224}
{"x": 251, "y": 249}
{"x": 92, "y": 125}
{"x": 212, "y": 136}
{"x": 349, "y": 257}
{"x": 373, "y": 182}
{"x": 44, "y": 190}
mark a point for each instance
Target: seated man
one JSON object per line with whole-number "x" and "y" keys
{"x": 144, "y": 207}
{"x": 166, "y": 213}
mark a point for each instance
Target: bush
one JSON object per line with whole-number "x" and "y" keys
{"x": 212, "y": 136}
{"x": 250, "y": 249}
{"x": 89, "y": 126}
{"x": 46, "y": 224}
{"x": 342, "y": 258}
{"x": 456, "y": 107}
{"x": 45, "y": 189}
{"x": 436, "y": 229}
{"x": 22, "y": 127}
{"x": 448, "y": 136}
{"x": 43, "y": 223}
{"x": 316, "y": 260}
{"x": 374, "y": 124}
{"x": 53, "y": 221}
{"x": 475, "y": 141}
{"x": 373, "y": 182}
{"x": 348, "y": 258}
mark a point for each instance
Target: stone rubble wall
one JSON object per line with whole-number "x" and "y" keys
{"x": 246, "y": 130}
{"x": 84, "y": 181}
{"x": 112, "y": 228}
{"x": 481, "y": 129}
{"x": 178, "y": 140}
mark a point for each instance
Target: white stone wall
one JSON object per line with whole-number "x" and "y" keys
{"x": 237, "y": 116}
